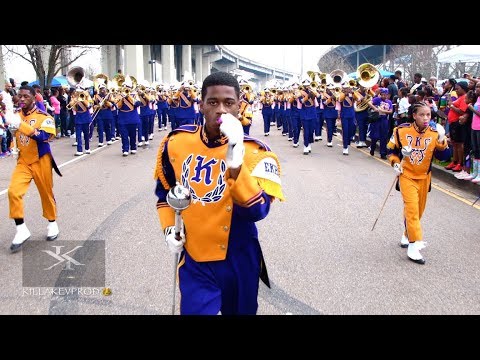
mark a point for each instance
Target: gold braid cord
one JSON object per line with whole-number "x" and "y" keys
{"x": 159, "y": 167}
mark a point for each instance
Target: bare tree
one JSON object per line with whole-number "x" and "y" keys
{"x": 331, "y": 61}
{"x": 46, "y": 59}
{"x": 421, "y": 59}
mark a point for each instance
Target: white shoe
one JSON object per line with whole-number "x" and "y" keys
{"x": 160, "y": 129}
{"x": 22, "y": 235}
{"x": 125, "y": 153}
{"x": 140, "y": 143}
{"x": 118, "y": 138}
{"x": 413, "y": 252}
{"x": 150, "y": 137}
{"x": 133, "y": 151}
{"x": 52, "y": 230}
{"x": 75, "y": 144}
{"x": 266, "y": 134}
{"x": 100, "y": 144}
{"x": 147, "y": 143}
{"x": 78, "y": 153}
{"x": 295, "y": 145}
{"x": 87, "y": 151}
{"x": 305, "y": 150}
{"x": 309, "y": 148}
{"x": 345, "y": 151}
{"x": 109, "y": 142}
{"x": 290, "y": 139}
{"x": 329, "y": 144}
{"x": 461, "y": 174}
{"x": 404, "y": 242}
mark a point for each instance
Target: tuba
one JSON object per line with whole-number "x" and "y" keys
{"x": 75, "y": 76}
{"x": 100, "y": 79}
{"x": 338, "y": 77}
{"x": 367, "y": 75}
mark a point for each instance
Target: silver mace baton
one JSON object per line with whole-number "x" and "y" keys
{"x": 179, "y": 199}
{"x": 406, "y": 152}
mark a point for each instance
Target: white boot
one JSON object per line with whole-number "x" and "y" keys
{"x": 413, "y": 252}
{"x": 404, "y": 242}
{"x": 52, "y": 230}
{"x": 22, "y": 235}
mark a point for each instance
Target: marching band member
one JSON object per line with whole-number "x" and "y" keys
{"x": 128, "y": 118}
{"x": 417, "y": 142}
{"x": 347, "y": 116}
{"x": 288, "y": 113}
{"x": 186, "y": 98}
{"x": 246, "y": 102}
{"x": 330, "y": 112}
{"x": 35, "y": 161}
{"x": 296, "y": 108}
{"x": 267, "y": 113}
{"x": 319, "y": 121}
{"x": 173, "y": 104}
{"x": 221, "y": 259}
{"x": 308, "y": 114}
{"x": 162, "y": 107}
{"x": 105, "y": 116}
{"x": 144, "y": 112}
{"x": 81, "y": 103}
{"x": 379, "y": 128}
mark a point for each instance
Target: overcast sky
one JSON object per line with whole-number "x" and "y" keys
{"x": 283, "y": 56}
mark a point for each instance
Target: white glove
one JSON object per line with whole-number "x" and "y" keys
{"x": 398, "y": 168}
{"x": 13, "y": 120}
{"x": 232, "y": 128}
{"x": 235, "y": 156}
{"x": 441, "y": 132}
{"x": 173, "y": 244}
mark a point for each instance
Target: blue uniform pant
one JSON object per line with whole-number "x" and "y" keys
{"x": 79, "y": 129}
{"x": 319, "y": 123}
{"x": 296, "y": 125}
{"x": 330, "y": 127}
{"x": 362, "y": 122}
{"x": 128, "y": 132}
{"x": 307, "y": 131}
{"x": 103, "y": 125}
{"x": 348, "y": 127}
{"x": 162, "y": 118}
{"x": 267, "y": 118}
{"x": 144, "y": 127}
{"x": 229, "y": 286}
